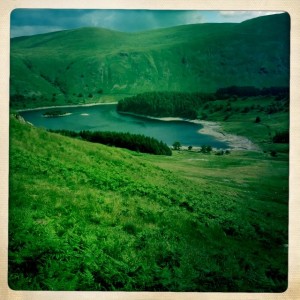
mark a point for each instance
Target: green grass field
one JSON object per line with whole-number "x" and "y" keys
{"x": 86, "y": 216}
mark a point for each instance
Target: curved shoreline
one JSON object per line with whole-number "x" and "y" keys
{"x": 57, "y": 116}
{"x": 236, "y": 142}
{"x": 211, "y": 128}
{"x": 66, "y": 106}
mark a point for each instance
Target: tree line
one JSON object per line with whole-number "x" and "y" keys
{"x": 186, "y": 105}
{"x": 251, "y": 91}
{"x": 135, "y": 142}
{"x": 165, "y": 104}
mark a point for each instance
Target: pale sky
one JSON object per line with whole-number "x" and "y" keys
{"x": 36, "y": 21}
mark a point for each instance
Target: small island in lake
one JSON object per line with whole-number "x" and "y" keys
{"x": 55, "y": 114}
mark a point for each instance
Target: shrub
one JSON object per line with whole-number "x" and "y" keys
{"x": 226, "y": 117}
{"x": 281, "y": 137}
{"x": 130, "y": 228}
{"x": 176, "y": 146}
{"x": 206, "y": 149}
{"x": 204, "y": 116}
{"x": 221, "y": 152}
{"x": 273, "y": 153}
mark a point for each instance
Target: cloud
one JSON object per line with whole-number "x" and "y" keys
{"x": 35, "y": 21}
{"x": 239, "y": 16}
{"x": 138, "y": 20}
{"x": 16, "y": 31}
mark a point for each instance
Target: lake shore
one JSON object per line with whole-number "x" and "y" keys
{"x": 66, "y": 106}
{"x": 236, "y": 142}
{"x": 211, "y": 128}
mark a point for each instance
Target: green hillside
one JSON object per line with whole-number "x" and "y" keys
{"x": 86, "y": 216}
{"x": 99, "y": 65}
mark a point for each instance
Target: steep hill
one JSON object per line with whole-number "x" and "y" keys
{"x": 98, "y": 65}
{"x": 90, "y": 217}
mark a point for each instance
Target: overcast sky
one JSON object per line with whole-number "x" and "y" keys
{"x": 35, "y": 21}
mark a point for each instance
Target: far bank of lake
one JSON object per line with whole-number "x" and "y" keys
{"x": 104, "y": 117}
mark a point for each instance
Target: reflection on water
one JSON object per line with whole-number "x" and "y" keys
{"x": 106, "y": 118}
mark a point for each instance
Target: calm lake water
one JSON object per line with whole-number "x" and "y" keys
{"x": 106, "y": 118}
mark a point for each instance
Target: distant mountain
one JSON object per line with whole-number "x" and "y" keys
{"x": 91, "y": 63}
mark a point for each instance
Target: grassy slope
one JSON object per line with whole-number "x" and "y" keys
{"x": 47, "y": 69}
{"x": 101, "y": 218}
{"x": 238, "y": 122}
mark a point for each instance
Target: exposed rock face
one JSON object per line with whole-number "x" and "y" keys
{"x": 22, "y": 120}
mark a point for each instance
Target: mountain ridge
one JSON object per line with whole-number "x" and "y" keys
{"x": 91, "y": 64}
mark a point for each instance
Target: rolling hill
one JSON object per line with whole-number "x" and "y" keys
{"x": 100, "y": 65}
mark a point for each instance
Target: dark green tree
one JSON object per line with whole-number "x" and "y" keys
{"x": 281, "y": 137}
{"x": 176, "y": 146}
{"x": 257, "y": 120}
{"x": 206, "y": 149}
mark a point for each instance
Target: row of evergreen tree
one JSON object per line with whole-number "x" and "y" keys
{"x": 165, "y": 104}
{"x": 186, "y": 105}
{"x": 251, "y": 91}
{"x": 135, "y": 142}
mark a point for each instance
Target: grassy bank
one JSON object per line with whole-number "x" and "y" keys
{"x": 257, "y": 118}
{"x": 244, "y": 121}
{"x": 102, "y": 218}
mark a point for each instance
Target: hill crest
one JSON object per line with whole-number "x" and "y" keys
{"x": 92, "y": 64}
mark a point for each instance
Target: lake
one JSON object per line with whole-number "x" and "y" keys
{"x": 106, "y": 118}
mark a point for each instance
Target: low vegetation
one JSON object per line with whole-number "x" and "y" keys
{"x": 86, "y": 216}
{"x": 54, "y": 114}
